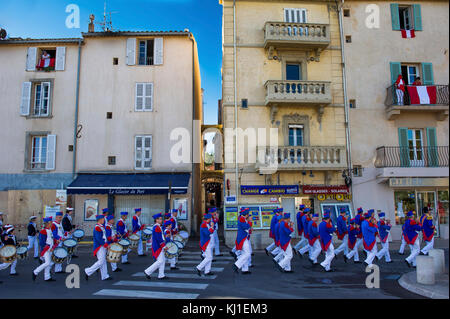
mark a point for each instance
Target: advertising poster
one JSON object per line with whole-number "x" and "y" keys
{"x": 266, "y": 215}
{"x": 254, "y": 215}
{"x": 50, "y": 211}
{"x": 180, "y": 204}
{"x": 231, "y": 217}
{"x": 90, "y": 209}
{"x": 61, "y": 197}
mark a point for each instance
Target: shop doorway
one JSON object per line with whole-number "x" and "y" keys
{"x": 426, "y": 201}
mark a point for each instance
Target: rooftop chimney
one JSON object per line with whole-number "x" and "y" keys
{"x": 91, "y": 23}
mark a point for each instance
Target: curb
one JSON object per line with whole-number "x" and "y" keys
{"x": 406, "y": 282}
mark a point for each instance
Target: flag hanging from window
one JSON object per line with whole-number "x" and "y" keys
{"x": 408, "y": 33}
{"x": 422, "y": 94}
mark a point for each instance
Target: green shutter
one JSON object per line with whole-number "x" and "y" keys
{"x": 403, "y": 143}
{"x": 417, "y": 17}
{"x": 427, "y": 74}
{"x": 396, "y": 69}
{"x": 395, "y": 16}
{"x": 433, "y": 160}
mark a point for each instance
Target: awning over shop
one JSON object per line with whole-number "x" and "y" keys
{"x": 130, "y": 184}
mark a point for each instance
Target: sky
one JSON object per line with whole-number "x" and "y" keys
{"x": 46, "y": 19}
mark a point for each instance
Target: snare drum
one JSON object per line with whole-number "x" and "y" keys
{"x": 114, "y": 252}
{"x": 178, "y": 237}
{"x": 8, "y": 254}
{"x": 146, "y": 233}
{"x": 172, "y": 250}
{"x": 70, "y": 245}
{"x": 134, "y": 241}
{"x": 59, "y": 255}
{"x": 125, "y": 243}
{"x": 78, "y": 234}
{"x": 22, "y": 252}
{"x": 185, "y": 235}
{"x": 179, "y": 244}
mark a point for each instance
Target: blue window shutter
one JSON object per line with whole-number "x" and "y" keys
{"x": 291, "y": 137}
{"x": 403, "y": 143}
{"x": 417, "y": 17}
{"x": 395, "y": 16}
{"x": 432, "y": 147}
{"x": 396, "y": 69}
{"x": 427, "y": 74}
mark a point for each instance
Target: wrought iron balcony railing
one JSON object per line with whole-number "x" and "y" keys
{"x": 395, "y": 156}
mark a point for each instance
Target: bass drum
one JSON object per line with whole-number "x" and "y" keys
{"x": 134, "y": 241}
{"x": 70, "y": 245}
{"x": 78, "y": 234}
{"x": 8, "y": 254}
{"x": 59, "y": 255}
{"x": 172, "y": 250}
{"x": 114, "y": 252}
{"x": 146, "y": 234}
{"x": 22, "y": 253}
{"x": 179, "y": 244}
{"x": 125, "y": 243}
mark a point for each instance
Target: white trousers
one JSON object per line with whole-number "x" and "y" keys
{"x": 301, "y": 242}
{"x": 33, "y": 242}
{"x": 384, "y": 252}
{"x": 13, "y": 266}
{"x": 305, "y": 248}
{"x": 140, "y": 249}
{"x": 243, "y": 260}
{"x": 125, "y": 256}
{"x": 206, "y": 262}
{"x": 415, "y": 250}
{"x": 276, "y": 251}
{"x": 343, "y": 247}
{"x": 158, "y": 264}
{"x": 100, "y": 264}
{"x": 402, "y": 246}
{"x": 315, "y": 251}
{"x": 172, "y": 261}
{"x": 46, "y": 265}
{"x": 216, "y": 243}
{"x": 251, "y": 252}
{"x": 113, "y": 266}
{"x": 354, "y": 253}
{"x": 371, "y": 255}
{"x": 271, "y": 247}
{"x": 428, "y": 246}
{"x": 280, "y": 255}
{"x": 285, "y": 263}
{"x": 329, "y": 255}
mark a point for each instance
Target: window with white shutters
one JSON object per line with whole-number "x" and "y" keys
{"x": 144, "y": 97}
{"x": 38, "y": 152}
{"x": 41, "y": 101}
{"x": 143, "y": 152}
{"x": 25, "y": 99}
{"x": 295, "y": 15}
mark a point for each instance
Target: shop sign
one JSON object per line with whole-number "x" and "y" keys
{"x": 269, "y": 190}
{"x": 338, "y": 197}
{"x": 230, "y": 199}
{"x": 332, "y": 189}
{"x": 417, "y": 182}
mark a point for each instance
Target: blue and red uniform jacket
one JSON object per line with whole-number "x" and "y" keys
{"x": 427, "y": 228}
{"x": 43, "y": 242}
{"x": 353, "y": 233}
{"x": 383, "y": 230}
{"x": 300, "y": 223}
{"x": 341, "y": 227}
{"x": 305, "y": 222}
{"x": 285, "y": 232}
{"x": 369, "y": 231}
{"x": 277, "y": 230}
{"x": 120, "y": 227}
{"x": 273, "y": 222}
{"x": 205, "y": 235}
{"x": 326, "y": 229}
{"x": 55, "y": 232}
{"x": 167, "y": 235}
{"x": 99, "y": 238}
{"x": 313, "y": 232}
{"x": 136, "y": 224}
{"x": 359, "y": 218}
{"x": 242, "y": 232}
{"x": 174, "y": 225}
{"x": 157, "y": 241}
{"x": 411, "y": 231}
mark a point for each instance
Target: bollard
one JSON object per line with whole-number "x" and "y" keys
{"x": 439, "y": 260}
{"x": 425, "y": 270}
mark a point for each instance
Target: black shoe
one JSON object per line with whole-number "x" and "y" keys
{"x": 209, "y": 274}
{"x": 295, "y": 251}
{"x": 74, "y": 256}
{"x": 246, "y": 272}
{"x": 15, "y": 274}
{"x": 253, "y": 254}
{"x": 143, "y": 255}
{"x": 33, "y": 276}
{"x": 174, "y": 268}
{"x": 300, "y": 255}
{"x": 199, "y": 273}
{"x": 214, "y": 260}
{"x": 335, "y": 256}
{"x": 51, "y": 279}
{"x": 357, "y": 262}
{"x": 251, "y": 266}
{"x": 235, "y": 268}
{"x": 279, "y": 268}
{"x": 126, "y": 263}
{"x": 401, "y": 254}
{"x": 267, "y": 252}
{"x": 409, "y": 265}
{"x": 147, "y": 276}
{"x": 314, "y": 264}
{"x": 36, "y": 257}
{"x": 421, "y": 254}
{"x": 389, "y": 262}
{"x": 163, "y": 278}
{"x": 109, "y": 278}
{"x": 289, "y": 271}
{"x": 274, "y": 261}
{"x": 330, "y": 270}
{"x": 86, "y": 276}
{"x": 231, "y": 253}
{"x": 219, "y": 255}
{"x": 117, "y": 270}
{"x": 366, "y": 264}
{"x": 40, "y": 261}
{"x": 59, "y": 272}
{"x": 345, "y": 258}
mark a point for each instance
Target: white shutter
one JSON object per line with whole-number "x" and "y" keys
{"x": 287, "y": 15}
{"x": 148, "y": 99}
{"x": 60, "y": 60}
{"x": 139, "y": 103}
{"x": 158, "y": 49}
{"x": 147, "y": 152}
{"x": 51, "y": 152}
{"x": 131, "y": 51}
{"x": 138, "y": 152}
{"x": 25, "y": 99}
{"x": 31, "y": 59}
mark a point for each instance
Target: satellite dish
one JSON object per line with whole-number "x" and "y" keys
{"x": 2, "y": 34}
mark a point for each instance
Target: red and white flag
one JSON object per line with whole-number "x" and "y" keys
{"x": 408, "y": 34}
{"x": 422, "y": 94}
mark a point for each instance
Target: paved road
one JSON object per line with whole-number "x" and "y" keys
{"x": 264, "y": 282}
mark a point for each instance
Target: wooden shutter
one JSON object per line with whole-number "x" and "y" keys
{"x": 138, "y": 152}
{"x": 395, "y": 17}
{"x": 427, "y": 74}
{"x": 433, "y": 159}
{"x": 51, "y": 152}
{"x": 396, "y": 69}
{"x": 31, "y": 59}
{"x": 131, "y": 51}
{"x": 403, "y": 143}
{"x": 148, "y": 97}
{"x": 60, "y": 60}
{"x": 147, "y": 152}
{"x": 417, "y": 17}
{"x": 25, "y": 99}
{"x": 158, "y": 51}
{"x": 287, "y": 15}
{"x": 139, "y": 103}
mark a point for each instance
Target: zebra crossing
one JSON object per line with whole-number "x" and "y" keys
{"x": 183, "y": 283}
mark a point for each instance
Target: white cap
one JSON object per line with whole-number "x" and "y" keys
{"x": 33, "y": 217}
{"x": 69, "y": 208}
{"x": 10, "y": 229}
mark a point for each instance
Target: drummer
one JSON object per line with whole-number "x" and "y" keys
{"x": 137, "y": 229}
{"x": 206, "y": 245}
{"x": 100, "y": 247}
{"x": 33, "y": 236}
{"x": 215, "y": 219}
{"x": 173, "y": 219}
{"x": 123, "y": 232}
{"x": 111, "y": 237}
{"x": 59, "y": 235}
{"x": 10, "y": 239}
{"x": 168, "y": 235}
{"x": 158, "y": 245}
{"x": 47, "y": 244}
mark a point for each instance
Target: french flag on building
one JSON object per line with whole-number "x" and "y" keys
{"x": 408, "y": 34}
{"x": 422, "y": 94}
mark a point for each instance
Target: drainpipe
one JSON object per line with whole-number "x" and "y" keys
{"x": 346, "y": 106}
{"x": 192, "y": 139}
{"x": 77, "y": 94}
{"x": 236, "y": 173}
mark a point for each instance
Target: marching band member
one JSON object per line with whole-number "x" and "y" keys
{"x": 47, "y": 244}
{"x": 342, "y": 232}
{"x": 303, "y": 239}
{"x": 168, "y": 235}
{"x": 242, "y": 243}
{"x": 67, "y": 224}
{"x": 313, "y": 236}
{"x": 401, "y": 251}
{"x": 273, "y": 221}
{"x": 137, "y": 229}
{"x": 215, "y": 219}
{"x": 286, "y": 230}
{"x": 33, "y": 236}
{"x": 369, "y": 231}
{"x": 59, "y": 235}
{"x": 250, "y": 243}
{"x": 9, "y": 239}
{"x": 100, "y": 249}
{"x": 412, "y": 229}
{"x": 173, "y": 219}
{"x": 280, "y": 254}
{"x": 305, "y": 222}
{"x": 122, "y": 231}
{"x": 326, "y": 229}
{"x": 206, "y": 245}
{"x": 384, "y": 228}
{"x": 353, "y": 233}
{"x": 158, "y": 245}
{"x": 234, "y": 252}
{"x": 111, "y": 237}
{"x": 427, "y": 232}
{"x": 359, "y": 218}
{"x": 1, "y": 227}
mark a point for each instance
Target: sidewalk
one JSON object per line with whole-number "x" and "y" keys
{"x": 436, "y": 291}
